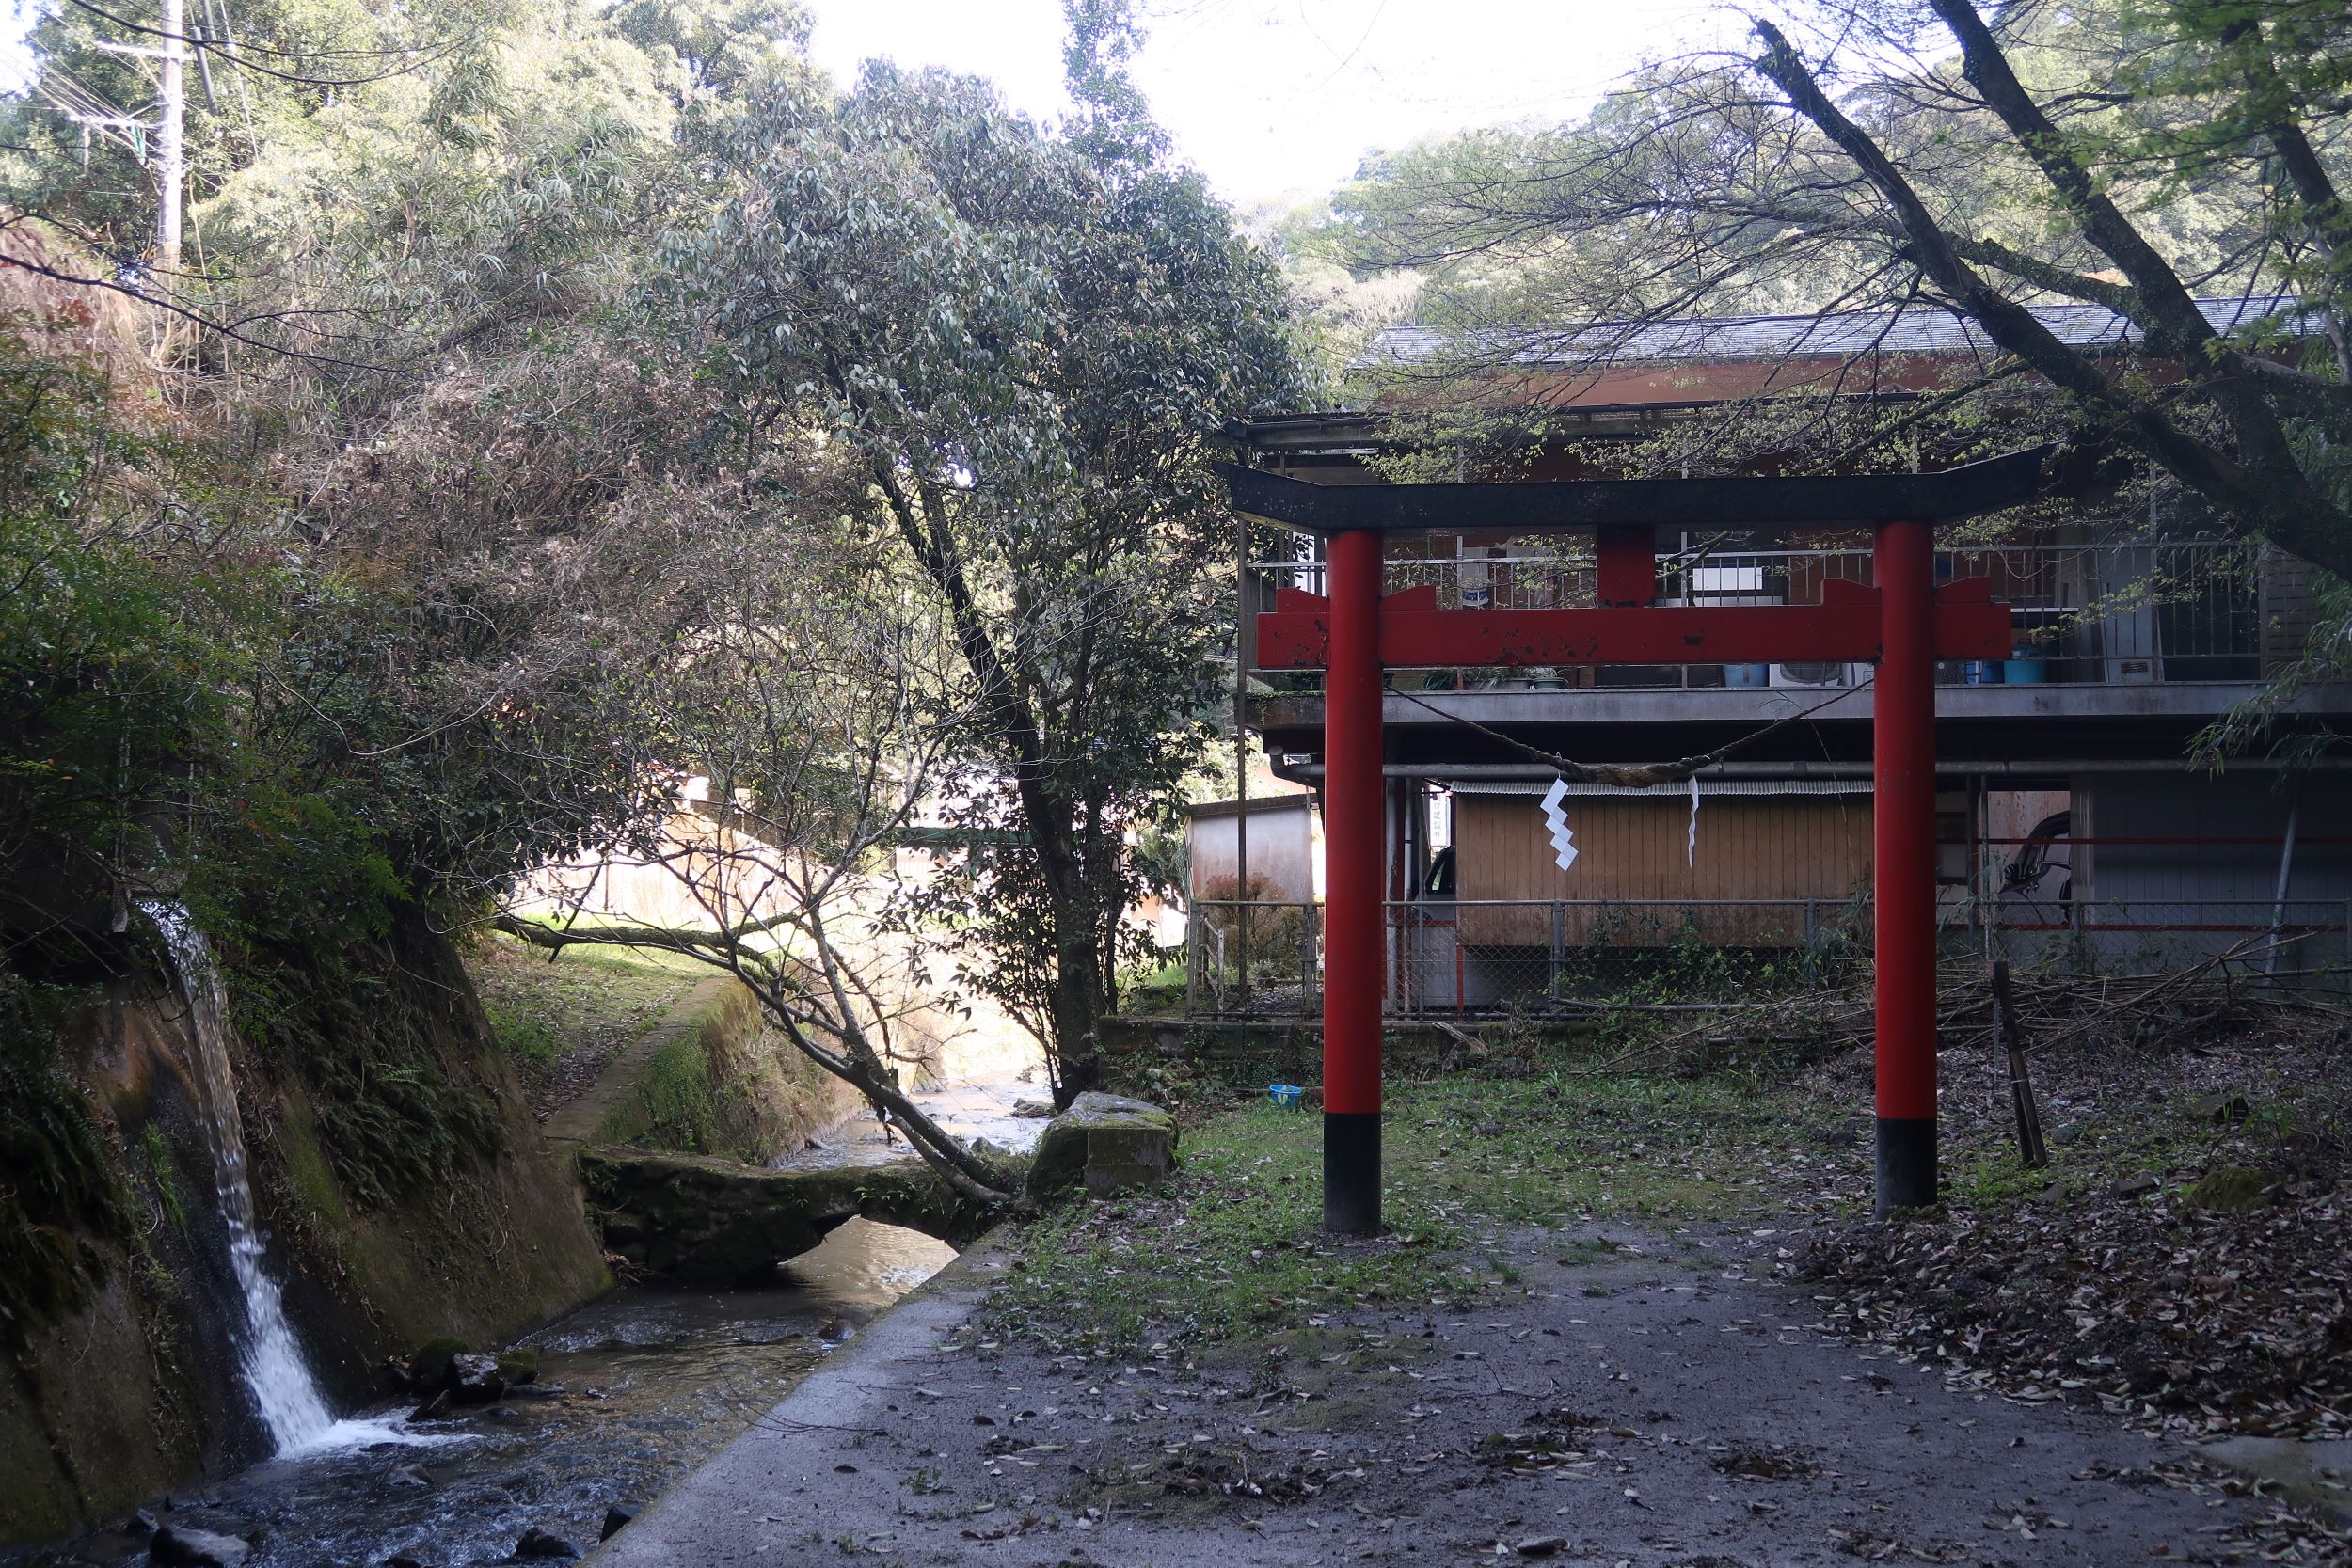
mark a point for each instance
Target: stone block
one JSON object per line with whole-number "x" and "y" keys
{"x": 1107, "y": 1143}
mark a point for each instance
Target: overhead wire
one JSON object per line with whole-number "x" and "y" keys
{"x": 1638, "y": 775}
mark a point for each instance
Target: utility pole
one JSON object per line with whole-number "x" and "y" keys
{"x": 172, "y": 147}
{"x": 172, "y": 152}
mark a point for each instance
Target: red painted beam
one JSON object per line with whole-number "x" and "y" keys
{"x": 1845, "y": 627}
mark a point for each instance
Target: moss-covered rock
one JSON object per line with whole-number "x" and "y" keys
{"x": 701, "y": 1218}
{"x": 519, "y": 1365}
{"x": 428, "y": 1367}
{"x": 2233, "y": 1189}
{"x": 1109, "y": 1143}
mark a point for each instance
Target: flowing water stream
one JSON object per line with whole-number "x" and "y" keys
{"x": 276, "y": 1375}
{"x": 632, "y": 1390}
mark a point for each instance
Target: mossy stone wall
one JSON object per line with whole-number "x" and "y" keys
{"x": 134, "y": 1389}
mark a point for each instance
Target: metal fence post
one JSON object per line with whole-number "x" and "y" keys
{"x": 1192, "y": 957}
{"x": 1559, "y": 947}
{"x": 1307, "y": 957}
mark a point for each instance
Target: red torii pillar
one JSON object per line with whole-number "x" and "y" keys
{"x": 1902, "y": 863}
{"x": 1355, "y": 853}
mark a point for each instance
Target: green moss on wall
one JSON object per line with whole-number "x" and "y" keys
{"x": 163, "y": 1175}
{"x": 306, "y": 1167}
{"x": 680, "y": 1107}
{"x": 64, "y": 1196}
{"x": 726, "y": 1085}
{"x": 396, "y": 1110}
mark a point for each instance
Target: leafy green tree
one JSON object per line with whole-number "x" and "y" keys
{"x": 131, "y": 609}
{"x": 1029, "y": 340}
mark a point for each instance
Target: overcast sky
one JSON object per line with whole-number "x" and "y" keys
{"x": 1274, "y": 99}
{"x": 1281, "y": 98}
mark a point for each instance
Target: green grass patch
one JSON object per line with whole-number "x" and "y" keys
{"x": 1234, "y": 1245}
{"x": 542, "y": 1009}
{"x": 2172, "y": 1138}
{"x": 1157, "y": 990}
{"x": 523, "y": 1033}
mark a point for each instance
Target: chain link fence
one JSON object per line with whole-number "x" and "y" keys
{"x": 1451, "y": 956}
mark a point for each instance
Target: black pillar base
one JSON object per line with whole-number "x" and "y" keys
{"x": 1351, "y": 1173}
{"x": 1906, "y": 1165}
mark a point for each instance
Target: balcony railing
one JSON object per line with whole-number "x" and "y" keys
{"x": 2112, "y": 613}
{"x": 1448, "y": 956}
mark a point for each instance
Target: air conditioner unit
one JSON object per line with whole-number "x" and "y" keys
{"x": 1825, "y": 674}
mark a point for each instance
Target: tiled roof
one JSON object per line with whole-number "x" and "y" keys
{"x": 1919, "y": 330}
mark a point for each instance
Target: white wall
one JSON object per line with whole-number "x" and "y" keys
{"x": 1284, "y": 848}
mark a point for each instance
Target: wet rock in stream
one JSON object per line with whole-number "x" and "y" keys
{"x": 537, "y": 1543}
{"x": 475, "y": 1380}
{"x": 184, "y": 1546}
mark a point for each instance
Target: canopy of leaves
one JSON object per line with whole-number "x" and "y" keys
{"x": 2120, "y": 153}
{"x": 1028, "y": 342}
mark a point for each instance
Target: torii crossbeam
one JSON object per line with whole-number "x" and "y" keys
{"x": 1903, "y": 624}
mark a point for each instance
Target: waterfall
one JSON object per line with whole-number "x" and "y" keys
{"x": 280, "y": 1380}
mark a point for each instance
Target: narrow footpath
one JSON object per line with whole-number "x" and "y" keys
{"x": 574, "y": 1119}
{"x": 1625, "y": 1410}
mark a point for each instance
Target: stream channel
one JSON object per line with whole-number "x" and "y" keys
{"x": 633, "y": 1391}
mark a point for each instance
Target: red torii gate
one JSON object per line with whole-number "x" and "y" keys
{"x": 1903, "y": 624}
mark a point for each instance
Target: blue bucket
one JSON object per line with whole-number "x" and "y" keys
{"x": 1983, "y": 672}
{"x": 1285, "y": 1094}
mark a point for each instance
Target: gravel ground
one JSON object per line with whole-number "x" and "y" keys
{"x": 1648, "y": 1323}
{"x": 1666, "y": 1404}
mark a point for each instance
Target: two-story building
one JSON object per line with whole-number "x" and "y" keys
{"x": 2073, "y": 824}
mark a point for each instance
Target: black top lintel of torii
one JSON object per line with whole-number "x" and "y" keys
{"x": 1542, "y": 506}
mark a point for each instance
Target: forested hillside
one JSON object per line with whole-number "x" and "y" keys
{"x": 547, "y": 406}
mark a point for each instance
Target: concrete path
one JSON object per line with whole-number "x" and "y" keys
{"x": 1626, "y": 1412}
{"x": 574, "y": 1122}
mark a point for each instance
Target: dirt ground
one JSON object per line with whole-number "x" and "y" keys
{"x": 1631, "y": 1313}
{"x": 1631, "y": 1399}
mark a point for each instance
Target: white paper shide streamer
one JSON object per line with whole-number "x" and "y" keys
{"x": 1690, "y": 843}
{"x": 1563, "y": 841}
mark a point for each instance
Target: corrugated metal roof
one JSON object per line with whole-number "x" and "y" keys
{"x": 1673, "y": 791}
{"x": 1259, "y": 804}
{"x": 1919, "y": 330}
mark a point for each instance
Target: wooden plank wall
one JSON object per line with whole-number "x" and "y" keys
{"x": 1749, "y": 847}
